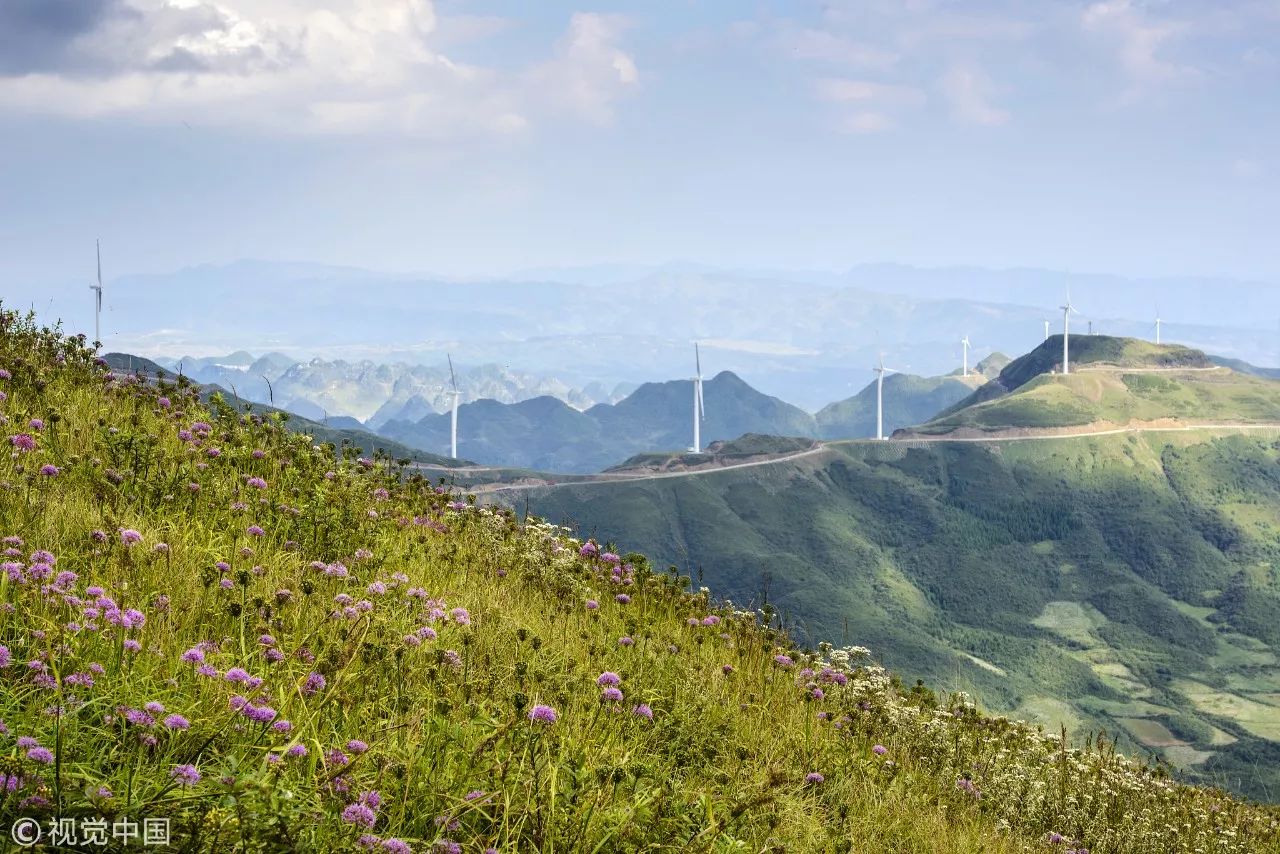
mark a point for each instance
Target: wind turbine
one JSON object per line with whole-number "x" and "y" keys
{"x": 699, "y": 407}
{"x": 964, "y": 342}
{"x": 1157, "y": 324}
{"x": 880, "y": 370}
{"x": 453, "y": 426}
{"x": 97, "y": 316}
{"x": 1046, "y": 330}
{"x": 1066, "y": 331}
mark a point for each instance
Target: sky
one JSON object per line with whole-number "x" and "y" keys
{"x": 465, "y": 137}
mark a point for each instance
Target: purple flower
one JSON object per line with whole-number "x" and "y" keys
{"x": 296, "y": 750}
{"x": 359, "y": 814}
{"x": 164, "y": 402}
{"x": 23, "y": 442}
{"x": 257, "y": 483}
{"x": 314, "y": 684}
{"x": 611, "y": 695}
{"x": 355, "y": 745}
{"x": 588, "y": 549}
{"x": 236, "y": 674}
{"x": 608, "y": 678}
{"x": 40, "y": 754}
{"x": 625, "y": 641}
{"x": 185, "y": 775}
{"x": 177, "y": 722}
{"x": 132, "y": 645}
{"x": 6, "y": 657}
{"x": 128, "y": 536}
{"x": 879, "y": 750}
{"x": 643, "y": 711}
{"x": 622, "y": 599}
{"x": 783, "y": 661}
{"x": 813, "y": 778}
{"x": 154, "y": 707}
{"x": 592, "y": 604}
{"x": 36, "y": 424}
{"x": 49, "y": 470}
{"x": 282, "y": 726}
{"x": 259, "y": 714}
{"x": 726, "y": 669}
{"x": 543, "y": 714}
{"x": 460, "y": 616}
{"x": 195, "y": 655}
{"x": 396, "y": 846}
{"x": 254, "y": 531}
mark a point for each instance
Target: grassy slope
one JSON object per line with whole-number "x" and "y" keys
{"x": 1072, "y": 580}
{"x": 1100, "y": 391}
{"x": 721, "y": 766}
{"x": 908, "y": 400}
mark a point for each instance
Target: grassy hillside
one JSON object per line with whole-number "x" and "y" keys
{"x": 1122, "y": 582}
{"x": 208, "y": 621}
{"x": 1113, "y": 381}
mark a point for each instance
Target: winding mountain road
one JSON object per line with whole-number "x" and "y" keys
{"x": 823, "y": 447}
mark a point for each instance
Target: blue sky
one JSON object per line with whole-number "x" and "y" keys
{"x": 469, "y": 137}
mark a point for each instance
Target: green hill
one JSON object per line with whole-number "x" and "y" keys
{"x": 1122, "y": 582}
{"x": 1113, "y": 382}
{"x": 204, "y": 620}
{"x": 908, "y": 400}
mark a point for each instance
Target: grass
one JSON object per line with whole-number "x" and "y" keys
{"x": 358, "y": 659}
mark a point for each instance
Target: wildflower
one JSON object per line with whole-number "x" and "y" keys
{"x": 588, "y": 549}
{"x": 23, "y": 442}
{"x": 282, "y": 726}
{"x": 195, "y": 655}
{"x": 643, "y": 711}
{"x": 357, "y": 746}
{"x": 254, "y": 531}
{"x": 622, "y": 599}
{"x": 40, "y": 754}
{"x": 6, "y": 657}
{"x": 358, "y": 813}
{"x": 460, "y": 616}
{"x": 49, "y": 470}
{"x": 592, "y": 604}
{"x": 314, "y": 684}
{"x": 128, "y": 536}
{"x": 296, "y": 750}
{"x": 625, "y": 641}
{"x": 185, "y": 775}
{"x": 611, "y": 695}
{"x": 726, "y": 669}
{"x": 177, "y": 722}
{"x": 257, "y": 483}
{"x": 35, "y": 424}
{"x": 783, "y": 661}
{"x": 813, "y": 778}
{"x": 132, "y": 645}
{"x": 237, "y": 674}
{"x": 396, "y": 846}
{"x": 879, "y": 750}
{"x": 543, "y": 714}
{"x": 207, "y": 670}
{"x": 608, "y": 678}
{"x": 25, "y": 741}
{"x": 164, "y": 402}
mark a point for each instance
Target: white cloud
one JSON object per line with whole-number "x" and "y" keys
{"x": 872, "y": 106}
{"x": 1138, "y": 39}
{"x": 336, "y": 66}
{"x": 968, "y": 91}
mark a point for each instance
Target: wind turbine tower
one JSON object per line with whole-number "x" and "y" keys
{"x": 97, "y": 315}
{"x": 1158, "y": 324}
{"x": 964, "y": 342}
{"x": 1066, "y": 332}
{"x": 1046, "y": 330}
{"x": 699, "y": 407}
{"x": 453, "y": 425}
{"x": 880, "y": 370}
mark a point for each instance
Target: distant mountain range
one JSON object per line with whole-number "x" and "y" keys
{"x": 371, "y": 393}
{"x": 809, "y": 338}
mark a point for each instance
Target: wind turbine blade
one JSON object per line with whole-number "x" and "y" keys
{"x": 697, "y": 358}
{"x": 98, "y": 244}
{"x": 453, "y": 379}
